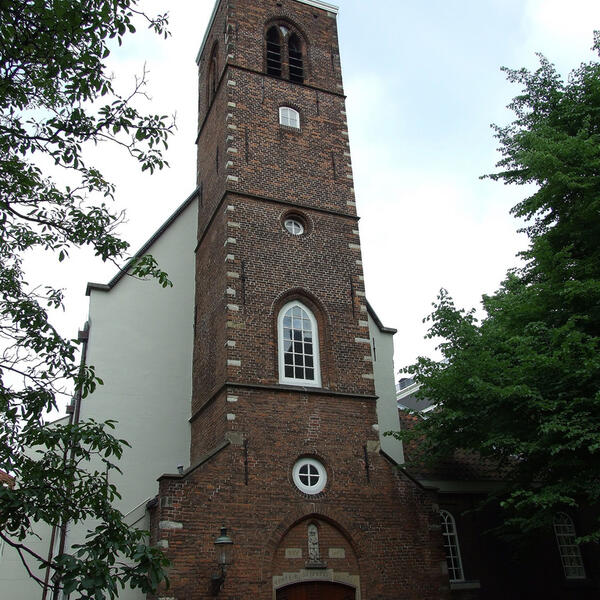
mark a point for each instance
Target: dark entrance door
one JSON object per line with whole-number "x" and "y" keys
{"x": 316, "y": 590}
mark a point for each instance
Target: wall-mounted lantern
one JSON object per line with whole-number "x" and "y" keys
{"x": 224, "y": 553}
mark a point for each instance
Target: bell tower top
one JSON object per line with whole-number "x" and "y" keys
{"x": 330, "y": 8}
{"x": 271, "y": 106}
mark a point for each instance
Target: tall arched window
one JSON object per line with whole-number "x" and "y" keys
{"x": 298, "y": 346}
{"x": 570, "y": 554}
{"x": 451, "y": 547}
{"x": 274, "y": 52}
{"x": 295, "y": 59}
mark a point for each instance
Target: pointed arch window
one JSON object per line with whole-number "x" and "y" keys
{"x": 298, "y": 346}
{"x": 570, "y": 553}
{"x": 285, "y": 53}
{"x": 451, "y": 547}
{"x": 295, "y": 59}
{"x": 274, "y": 52}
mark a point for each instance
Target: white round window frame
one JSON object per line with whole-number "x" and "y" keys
{"x": 294, "y": 222}
{"x": 305, "y": 489}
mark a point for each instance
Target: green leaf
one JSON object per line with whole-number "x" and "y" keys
{"x": 54, "y": 56}
{"x": 518, "y": 391}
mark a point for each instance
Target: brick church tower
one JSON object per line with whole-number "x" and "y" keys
{"x": 284, "y": 452}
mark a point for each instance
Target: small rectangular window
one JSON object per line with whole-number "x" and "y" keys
{"x": 289, "y": 117}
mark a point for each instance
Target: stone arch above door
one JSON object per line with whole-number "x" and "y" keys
{"x": 315, "y": 550}
{"x": 316, "y": 590}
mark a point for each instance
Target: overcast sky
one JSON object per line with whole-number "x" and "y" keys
{"x": 424, "y": 84}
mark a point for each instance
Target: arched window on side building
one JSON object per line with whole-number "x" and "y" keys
{"x": 570, "y": 553}
{"x": 451, "y": 547}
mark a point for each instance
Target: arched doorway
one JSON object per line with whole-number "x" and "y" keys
{"x": 316, "y": 590}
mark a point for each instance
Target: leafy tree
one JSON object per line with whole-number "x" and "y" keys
{"x": 56, "y": 98}
{"x": 522, "y": 386}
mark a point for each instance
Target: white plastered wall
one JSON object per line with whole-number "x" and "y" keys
{"x": 140, "y": 342}
{"x": 382, "y": 353}
{"x": 15, "y": 583}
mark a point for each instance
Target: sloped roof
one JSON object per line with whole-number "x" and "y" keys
{"x": 106, "y": 287}
{"x": 378, "y": 322}
{"x": 407, "y": 396}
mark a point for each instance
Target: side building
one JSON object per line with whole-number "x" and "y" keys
{"x": 480, "y": 563}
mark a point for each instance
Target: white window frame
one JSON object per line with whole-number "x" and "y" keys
{"x": 316, "y": 382}
{"x": 289, "y": 117}
{"x": 568, "y": 548}
{"x": 294, "y": 226}
{"x": 321, "y": 483}
{"x": 456, "y": 573}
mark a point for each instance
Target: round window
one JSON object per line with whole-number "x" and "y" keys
{"x": 309, "y": 476}
{"x": 294, "y": 226}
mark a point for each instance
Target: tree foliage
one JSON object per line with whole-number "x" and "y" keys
{"x": 56, "y": 98}
{"x": 522, "y": 387}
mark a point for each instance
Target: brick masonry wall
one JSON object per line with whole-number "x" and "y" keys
{"x": 213, "y": 274}
{"x": 386, "y": 525}
{"x": 209, "y": 424}
{"x": 321, "y": 267}
{"x": 309, "y": 169}
{"x": 216, "y": 39}
{"x": 6, "y": 479}
{"x": 310, "y": 166}
{"x": 249, "y": 21}
{"x": 265, "y": 158}
{"x": 213, "y": 141}
{"x": 382, "y": 528}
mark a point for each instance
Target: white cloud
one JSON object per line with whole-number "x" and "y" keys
{"x": 562, "y": 30}
{"x": 421, "y": 235}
